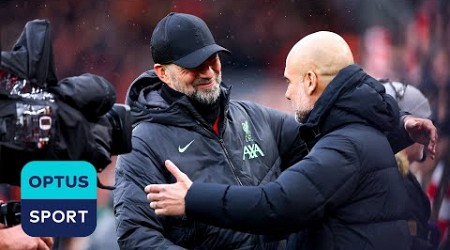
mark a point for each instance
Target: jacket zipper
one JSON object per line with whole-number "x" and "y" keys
{"x": 233, "y": 169}
{"x": 222, "y": 144}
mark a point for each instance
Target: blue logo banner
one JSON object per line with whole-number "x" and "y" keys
{"x": 59, "y": 198}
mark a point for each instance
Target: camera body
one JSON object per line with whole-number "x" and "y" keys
{"x": 43, "y": 118}
{"x": 58, "y": 124}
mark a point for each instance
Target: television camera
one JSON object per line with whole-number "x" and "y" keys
{"x": 43, "y": 118}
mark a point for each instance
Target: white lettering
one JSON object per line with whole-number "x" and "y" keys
{"x": 56, "y": 219}
{"x": 34, "y": 216}
{"x": 58, "y": 216}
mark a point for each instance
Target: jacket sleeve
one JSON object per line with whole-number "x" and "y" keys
{"x": 399, "y": 138}
{"x": 137, "y": 226}
{"x": 299, "y": 197}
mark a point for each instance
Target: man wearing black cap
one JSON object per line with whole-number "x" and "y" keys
{"x": 182, "y": 112}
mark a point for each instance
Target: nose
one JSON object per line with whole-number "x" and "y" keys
{"x": 287, "y": 94}
{"x": 206, "y": 71}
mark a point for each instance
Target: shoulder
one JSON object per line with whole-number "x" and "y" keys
{"x": 149, "y": 132}
{"x": 253, "y": 108}
{"x": 362, "y": 142}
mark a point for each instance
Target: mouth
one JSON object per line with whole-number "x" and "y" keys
{"x": 205, "y": 84}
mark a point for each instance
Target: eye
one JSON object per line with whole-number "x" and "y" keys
{"x": 287, "y": 80}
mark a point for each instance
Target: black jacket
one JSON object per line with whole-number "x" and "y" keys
{"x": 347, "y": 192}
{"x": 419, "y": 212}
{"x": 255, "y": 143}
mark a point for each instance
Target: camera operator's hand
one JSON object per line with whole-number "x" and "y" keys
{"x": 14, "y": 238}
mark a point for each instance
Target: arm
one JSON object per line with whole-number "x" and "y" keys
{"x": 399, "y": 138}
{"x": 137, "y": 226}
{"x": 298, "y": 198}
{"x": 410, "y": 129}
{"x": 414, "y": 129}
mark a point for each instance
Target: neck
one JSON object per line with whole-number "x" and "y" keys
{"x": 208, "y": 112}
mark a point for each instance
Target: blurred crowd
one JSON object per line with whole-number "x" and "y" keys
{"x": 404, "y": 40}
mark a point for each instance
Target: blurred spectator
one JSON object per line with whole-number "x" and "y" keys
{"x": 425, "y": 236}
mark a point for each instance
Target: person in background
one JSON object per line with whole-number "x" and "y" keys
{"x": 425, "y": 236}
{"x": 347, "y": 193}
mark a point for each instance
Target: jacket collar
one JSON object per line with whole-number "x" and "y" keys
{"x": 351, "y": 97}
{"x": 146, "y": 103}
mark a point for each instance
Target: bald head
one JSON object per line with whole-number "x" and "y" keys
{"x": 311, "y": 65}
{"x": 323, "y": 52}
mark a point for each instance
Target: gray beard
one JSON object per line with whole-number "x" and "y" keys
{"x": 209, "y": 96}
{"x": 206, "y": 97}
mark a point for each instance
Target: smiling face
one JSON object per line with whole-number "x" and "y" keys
{"x": 201, "y": 84}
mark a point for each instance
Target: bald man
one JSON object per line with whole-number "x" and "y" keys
{"x": 346, "y": 193}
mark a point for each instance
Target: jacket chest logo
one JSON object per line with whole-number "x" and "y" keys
{"x": 251, "y": 150}
{"x": 182, "y": 149}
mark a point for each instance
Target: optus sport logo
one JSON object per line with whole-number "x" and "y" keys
{"x": 59, "y": 198}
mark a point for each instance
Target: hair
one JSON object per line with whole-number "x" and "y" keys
{"x": 402, "y": 163}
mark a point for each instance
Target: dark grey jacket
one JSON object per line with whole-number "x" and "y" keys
{"x": 347, "y": 192}
{"x": 254, "y": 145}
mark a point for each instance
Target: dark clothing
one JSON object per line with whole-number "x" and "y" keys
{"x": 419, "y": 211}
{"x": 208, "y": 112}
{"x": 254, "y": 144}
{"x": 345, "y": 194}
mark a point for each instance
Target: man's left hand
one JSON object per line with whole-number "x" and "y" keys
{"x": 422, "y": 131}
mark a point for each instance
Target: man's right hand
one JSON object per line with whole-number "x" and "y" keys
{"x": 14, "y": 238}
{"x": 168, "y": 199}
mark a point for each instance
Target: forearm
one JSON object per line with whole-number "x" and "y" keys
{"x": 249, "y": 209}
{"x": 293, "y": 202}
{"x": 399, "y": 137}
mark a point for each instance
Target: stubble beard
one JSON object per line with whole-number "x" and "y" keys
{"x": 300, "y": 115}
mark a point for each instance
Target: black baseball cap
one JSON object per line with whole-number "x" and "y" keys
{"x": 184, "y": 40}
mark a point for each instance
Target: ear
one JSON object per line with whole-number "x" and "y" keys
{"x": 311, "y": 82}
{"x": 161, "y": 72}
